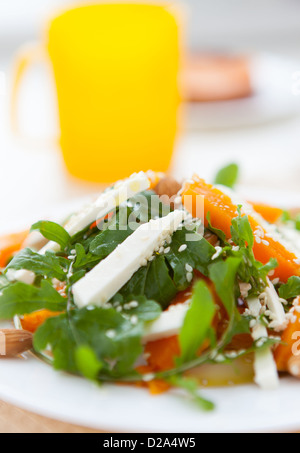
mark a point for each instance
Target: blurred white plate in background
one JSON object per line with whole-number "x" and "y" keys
{"x": 273, "y": 98}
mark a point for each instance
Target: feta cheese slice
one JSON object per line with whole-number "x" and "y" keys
{"x": 265, "y": 370}
{"x": 168, "y": 324}
{"x": 111, "y": 274}
{"x": 107, "y": 202}
{"x": 279, "y": 321}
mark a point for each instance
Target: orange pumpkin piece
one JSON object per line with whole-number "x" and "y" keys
{"x": 34, "y": 320}
{"x": 10, "y": 244}
{"x": 155, "y": 386}
{"x": 162, "y": 353}
{"x": 222, "y": 210}
{"x": 284, "y": 352}
{"x": 270, "y": 213}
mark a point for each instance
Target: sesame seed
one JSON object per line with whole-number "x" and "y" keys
{"x": 111, "y": 333}
{"x": 167, "y": 250}
{"x": 182, "y": 248}
{"x": 188, "y": 268}
{"x": 189, "y": 276}
{"x": 134, "y": 319}
{"x": 148, "y": 377}
{"x": 133, "y": 304}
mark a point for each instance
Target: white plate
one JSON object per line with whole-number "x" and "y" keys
{"x": 33, "y": 385}
{"x": 273, "y": 98}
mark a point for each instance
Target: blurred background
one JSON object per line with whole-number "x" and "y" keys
{"x": 260, "y": 131}
{"x": 269, "y": 25}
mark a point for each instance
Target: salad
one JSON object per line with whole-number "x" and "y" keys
{"x": 161, "y": 285}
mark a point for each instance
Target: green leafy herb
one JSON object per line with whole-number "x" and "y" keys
{"x": 250, "y": 270}
{"x": 140, "y": 306}
{"x": 197, "y": 322}
{"x": 3, "y": 282}
{"x": 87, "y": 362}
{"x": 223, "y": 274}
{"x": 53, "y": 232}
{"x": 241, "y": 231}
{"x": 152, "y": 281}
{"x": 192, "y": 388}
{"x": 19, "y": 298}
{"x": 48, "y": 265}
{"x": 84, "y": 261}
{"x": 291, "y": 289}
{"x": 116, "y": 342}
{"x": 228, "y": 175}
{"x": 108, "y": 240}
{"x": 197, "y": 254}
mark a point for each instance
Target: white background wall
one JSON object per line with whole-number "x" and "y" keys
{"x": 214, "y": 24}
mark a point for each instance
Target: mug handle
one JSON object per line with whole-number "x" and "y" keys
{"x": 27, "y": 55}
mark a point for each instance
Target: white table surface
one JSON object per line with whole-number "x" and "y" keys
{"x": 33, "y": 179}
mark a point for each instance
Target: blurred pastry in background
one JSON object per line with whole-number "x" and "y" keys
{"x": 212, "y": 77}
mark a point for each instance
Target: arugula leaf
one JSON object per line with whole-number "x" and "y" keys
{"x": 192, "y": 388}
{"x": 250, "y": 270}
{"x": 197, "y": 254}
{"x": 53, "y": 232}
{"x": 291, "y": 289}
{"x": 20, "y": 298}
{"x": 56, "y": 332}
{"x": 223, "y": 274}
{"x": 107, "y": 241}
{"x": 115, "y": 341}
{"x": 87, "y": 362}
{"x": 47, "y": 265}
{"x": 241, "y": 231}
{"x": 3, "y": 282}
{"x": 152, "y": 281}
{"x": 228, "y": 175}
{"x": 84, "y": 261}
{"x": 197, "y": 322}
{"x": 144, "y": 309}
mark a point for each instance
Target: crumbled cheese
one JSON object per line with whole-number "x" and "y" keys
{"x": 266, "y": 375}
{"x": 245, "y": 288}
{"x": 219, "y": 251}
{"x": 167, "y": 325}
{"x": 274, "y": 304}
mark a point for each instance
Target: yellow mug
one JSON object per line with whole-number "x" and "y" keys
{"x": 116, "y": 69}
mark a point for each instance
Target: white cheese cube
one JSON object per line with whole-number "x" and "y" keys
{"x": 111, "y": 274}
